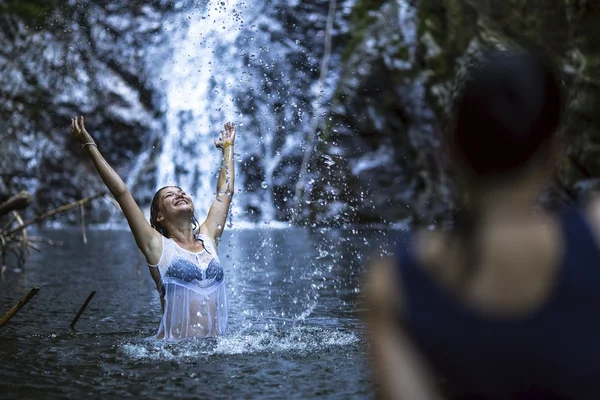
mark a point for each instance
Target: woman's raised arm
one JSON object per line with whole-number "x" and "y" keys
{"x": 147, "y": 238}
{"x": 217, "y": 215}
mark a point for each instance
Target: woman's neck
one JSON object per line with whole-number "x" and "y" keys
{"x": 182, "y": 232}
{"x": 502, "y": 204}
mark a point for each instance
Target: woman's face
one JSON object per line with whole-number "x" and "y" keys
{"x": 174, "y": 202}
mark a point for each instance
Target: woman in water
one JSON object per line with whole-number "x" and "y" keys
{"x": 182, "y": 255}
{"x": 505, "y": 305}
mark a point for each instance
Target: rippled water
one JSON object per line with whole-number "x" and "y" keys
{"x": 294, "y": 332}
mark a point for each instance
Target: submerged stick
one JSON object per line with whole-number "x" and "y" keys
{"x": 19, "y": 305}
{"x": 82, "y": 309}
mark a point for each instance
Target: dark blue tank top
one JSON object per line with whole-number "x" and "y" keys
{"x": 552, "y": 353}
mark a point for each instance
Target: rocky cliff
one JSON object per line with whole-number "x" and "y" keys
{"x": 371, "y": 123}
{"x": 402, "y": 62}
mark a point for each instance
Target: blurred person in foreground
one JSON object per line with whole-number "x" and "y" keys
{"x": 504, "y": 305}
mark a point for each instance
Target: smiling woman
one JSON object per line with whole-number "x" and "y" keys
{"x": 181, "y": 253}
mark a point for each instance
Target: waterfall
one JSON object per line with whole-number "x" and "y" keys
{"x": 244, "y": 62}
{"x": 199, "y": 84}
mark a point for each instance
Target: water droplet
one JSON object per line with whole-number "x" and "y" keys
{"x": 264, "y": 185}
{"x": 322, "y": 254}
{"x": 328, "y": 160}
{"x": 219, "y": 226}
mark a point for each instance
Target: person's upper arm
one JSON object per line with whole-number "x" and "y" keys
{"x": 216, "y": 218}
{"x": 398, "y": 366}
{"x": 148, "y": 239}
{"x": 382, "y": 297}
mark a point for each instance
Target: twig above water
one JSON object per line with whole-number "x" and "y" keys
{"x": 15, "y": 231}
{"x": 11, "y": 313}
{"x": 58, "y": 210}
{"x": 82, "y": 309}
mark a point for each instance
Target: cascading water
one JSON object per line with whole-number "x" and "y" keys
{"x": 200, "y": 84}
{"x": 239, "y": 61}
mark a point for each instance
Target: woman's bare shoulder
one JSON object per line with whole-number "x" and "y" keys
{"x": 379, "y": 285}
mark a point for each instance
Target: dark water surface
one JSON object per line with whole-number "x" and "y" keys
{"x": 294, "y": 332}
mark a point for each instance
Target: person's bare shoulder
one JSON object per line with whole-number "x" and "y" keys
{"x": 381, "y": 286}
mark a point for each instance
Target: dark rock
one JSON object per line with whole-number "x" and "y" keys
{"x": 61, "y": 59}
{"x": 395, "y": 90}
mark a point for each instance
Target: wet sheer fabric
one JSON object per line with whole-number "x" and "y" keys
{"x": 193, "y": 287}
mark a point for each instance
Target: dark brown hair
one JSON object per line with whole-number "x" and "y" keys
{"x": 505, "y": 119}
{"x": 508, "y": 110}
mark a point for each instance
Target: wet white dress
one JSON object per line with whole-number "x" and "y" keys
{"x": 194, "y": 291}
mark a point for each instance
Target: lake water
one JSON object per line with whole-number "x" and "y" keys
{"x": 293, "y": 325}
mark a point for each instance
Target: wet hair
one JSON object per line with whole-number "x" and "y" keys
{"x": 155, "y": 209}
{"x": 505, "y": 119}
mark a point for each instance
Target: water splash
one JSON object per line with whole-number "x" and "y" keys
{"x": 298, "y": 339}
{"x": 200, "y": 82}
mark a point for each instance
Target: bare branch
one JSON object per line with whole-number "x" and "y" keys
{"x": 58, "y": 210}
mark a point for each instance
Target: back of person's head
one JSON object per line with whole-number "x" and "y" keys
{"x": 506, "y": 115}
{"x": 505, "y": 122}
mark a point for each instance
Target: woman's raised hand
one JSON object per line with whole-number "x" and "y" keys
{"x": 227, "y": 136}
{"x": 79, "y": 132}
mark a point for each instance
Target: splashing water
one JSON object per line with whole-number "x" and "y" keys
{"x": 297, "y": 339}
{"x": 200, "y": 82}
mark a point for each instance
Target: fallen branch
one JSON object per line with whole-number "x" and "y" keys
{"x": 11, "y": 313}
{"x": 19, "y": 201}
{"x": 8, "y": 224}
{"x": 28, "y": 243}
{"x": 44, "y": 240}
{"x": 18, "y": 233}
{"x": 58, "y": 210}
{"x": 82, "y": 309}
